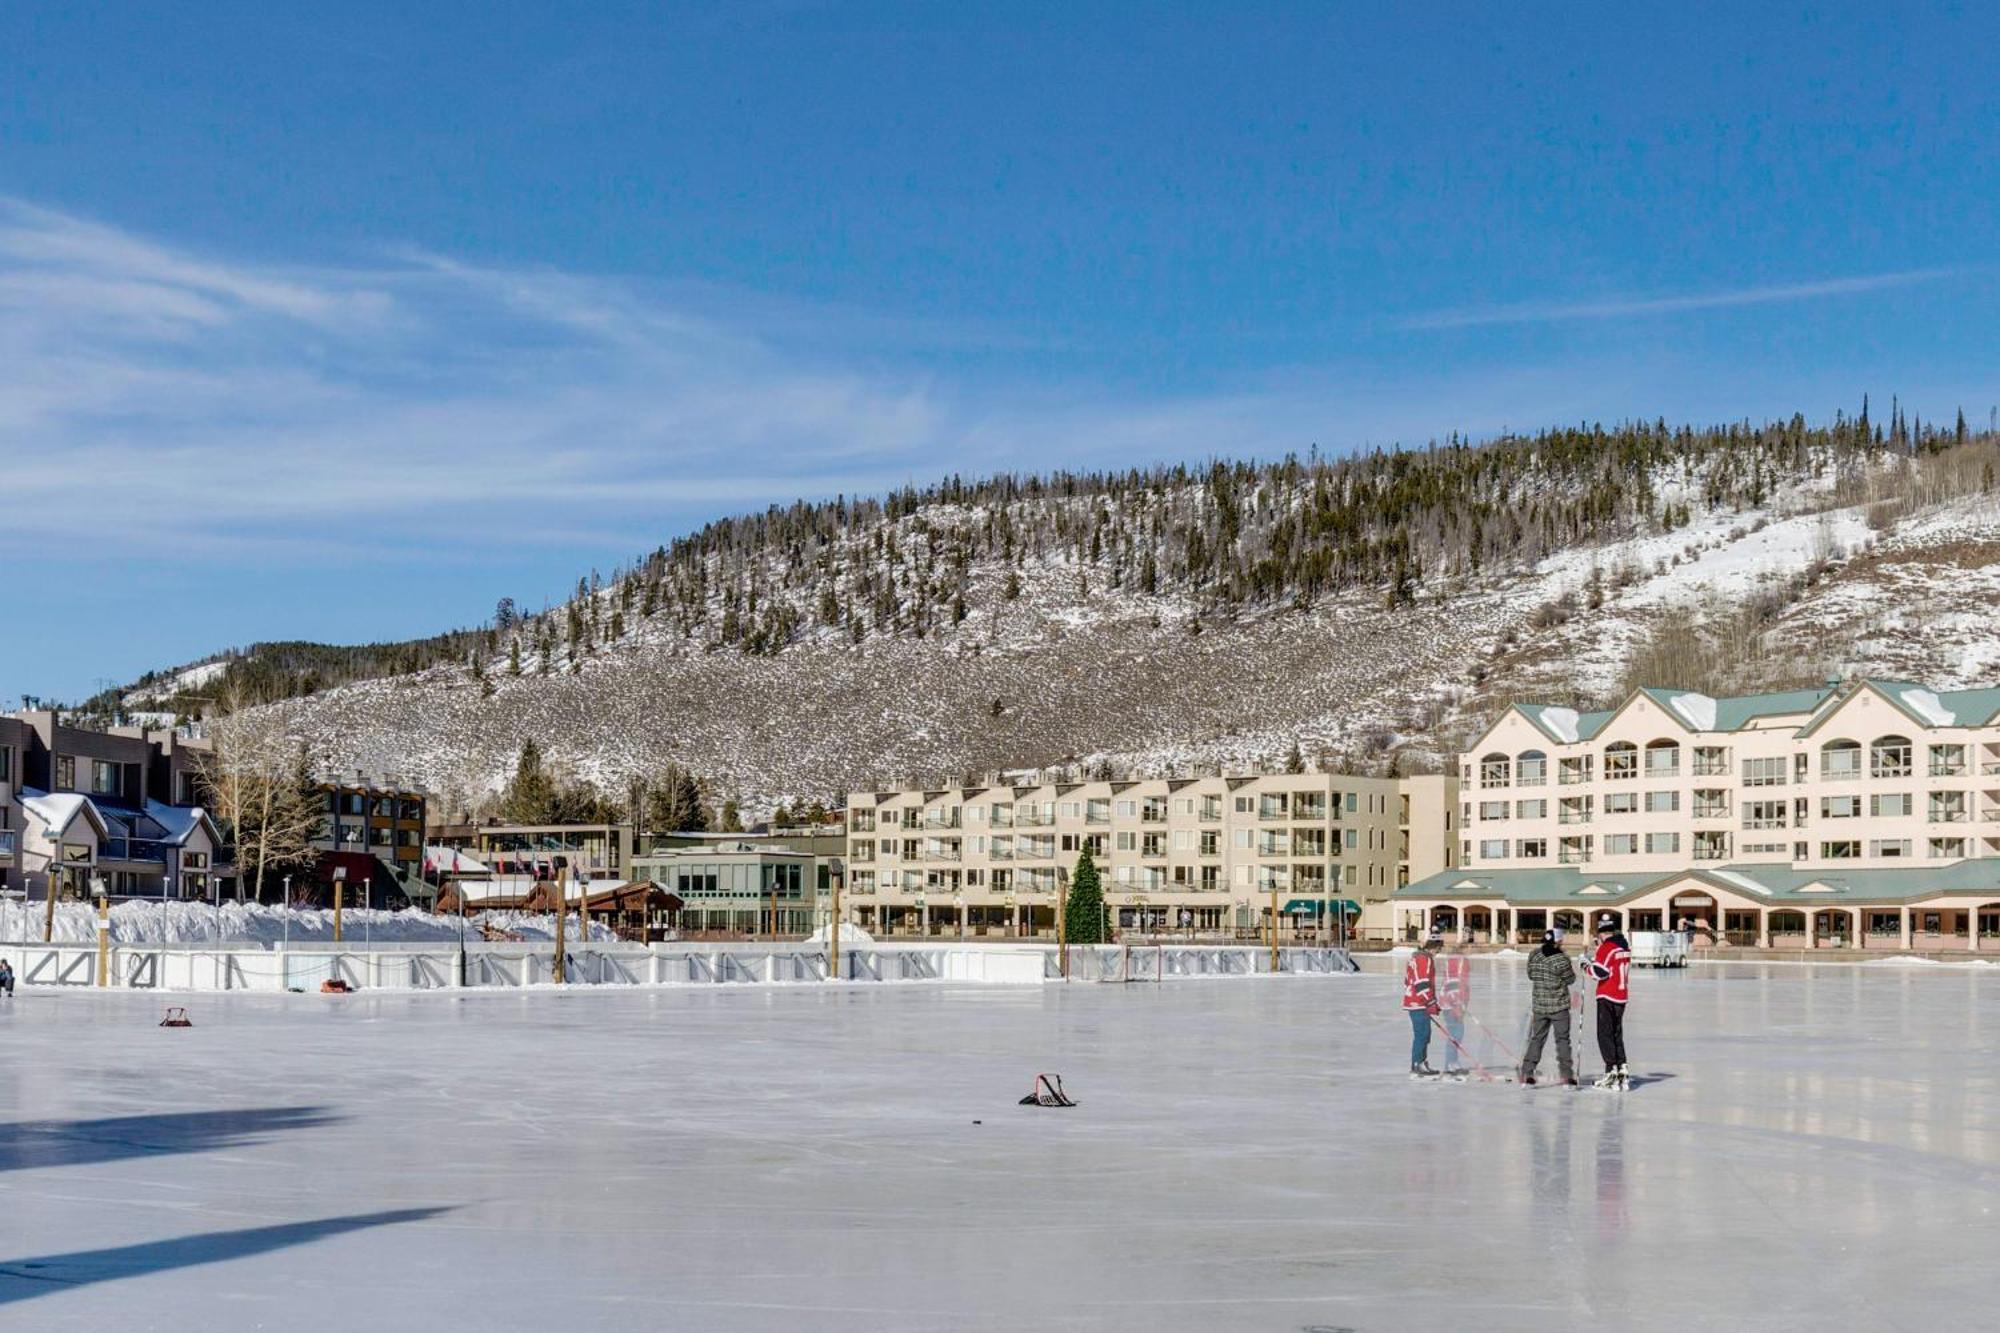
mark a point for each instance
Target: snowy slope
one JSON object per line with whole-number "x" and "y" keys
{"x": 1072, "y": 672}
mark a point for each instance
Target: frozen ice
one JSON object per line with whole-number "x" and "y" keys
{"x": 1819, "y": 1148}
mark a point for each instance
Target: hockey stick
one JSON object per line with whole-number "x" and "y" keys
{"x": 1477, "y": 1068}
{"x": 1495, "y": 1040}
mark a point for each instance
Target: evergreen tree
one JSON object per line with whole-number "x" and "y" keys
{"x": 1295, "y": 759}
{"x": 732, "y": 817}
{"x": 530, "y": 797}
{"x": 1084, "y": 919}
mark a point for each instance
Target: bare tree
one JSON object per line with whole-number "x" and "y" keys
{"x": 260, "y": 781}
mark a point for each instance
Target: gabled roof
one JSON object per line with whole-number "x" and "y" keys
{"x": 58, "y": 810}
{"x": 1920, "y": 703}
{"x": 1566, "y": 726}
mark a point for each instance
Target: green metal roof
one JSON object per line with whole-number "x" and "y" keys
{"x": 1580, "y": 886}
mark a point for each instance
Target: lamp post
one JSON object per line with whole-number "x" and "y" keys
{"x": 339, "y": 898}
{"x": 285, "y": 951}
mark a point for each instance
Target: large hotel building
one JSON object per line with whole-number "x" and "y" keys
{"x": 1202, "y": 854}
{"x": 1864, "y": 814}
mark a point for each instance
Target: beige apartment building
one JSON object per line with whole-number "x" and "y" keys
{"x": 1862, "y": 811}
{"x": 1201, "y": 855}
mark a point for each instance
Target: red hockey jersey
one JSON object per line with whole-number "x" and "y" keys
{"x": 1419, "y": 981}
{"x": 1455, "y": 985}
{"x": 1612, "y": 966}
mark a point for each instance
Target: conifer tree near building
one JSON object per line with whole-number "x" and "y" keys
{"x": 1084, "y": 921}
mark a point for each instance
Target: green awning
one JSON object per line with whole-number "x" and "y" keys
{"x": 1313, "y": 906}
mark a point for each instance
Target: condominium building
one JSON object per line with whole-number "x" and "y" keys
{"x": 1870, "y": 794}
{"x": 1202, "y": 854}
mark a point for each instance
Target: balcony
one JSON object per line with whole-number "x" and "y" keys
{"x": 1948, "y": 770}
{"x": 1573, "y": 817}
{"x": 1569, "y": 858}
{"x": 937, "y": 854}
{"x": 1711, "y": 812}
{"x": 1947, "y": 817}
{"x": 1097, "y": 816}
{"x": 1033, "y": 819}
{"x": 1702, "y": 853}
{"x": 1571, "y": 777}
{"x": 132, "y": 849}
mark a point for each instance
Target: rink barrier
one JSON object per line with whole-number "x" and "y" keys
{"x": 511, "y": 966}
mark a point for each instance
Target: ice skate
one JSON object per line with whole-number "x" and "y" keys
{"x": 1422, "y": 1070}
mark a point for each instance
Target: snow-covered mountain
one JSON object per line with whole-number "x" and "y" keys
{"x": 1368, "y": 610}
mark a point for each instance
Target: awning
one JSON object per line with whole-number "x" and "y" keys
{"x": 1313, "y": 906}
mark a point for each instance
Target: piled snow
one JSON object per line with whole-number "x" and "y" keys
{"x": 1697, "y": 710}
{"x": 1929, "y": 707}
{"x": 848, "y": 935}
{"x": 1563, "y": 722}
{"x": 190, "y": 923}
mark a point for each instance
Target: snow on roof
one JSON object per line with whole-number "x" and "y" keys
{"x": 1926, "y": 705}
{"x": 178, "y": 820}
{"x": 1697, "y": 710}
{"x": 1741, "y": 881}
{"x": 1562, "y": 722}
{"x": 451, "y": 861}
{"x": 58, "y": 810}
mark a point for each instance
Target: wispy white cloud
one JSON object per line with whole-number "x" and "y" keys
{"x": 1556, "y": 312}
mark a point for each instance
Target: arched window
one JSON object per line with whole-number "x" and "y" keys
{"x": 1621, "y": 760}
{"x": 1531, "y": 767}
{"x": 1495, "y": 770}
{"x": 1891, "y": 757}
{"x": 1663, "y": 759}
{"x": 1840, "y": 761}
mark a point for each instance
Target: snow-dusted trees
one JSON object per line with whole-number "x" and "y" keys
{"x": 260, "y": 786}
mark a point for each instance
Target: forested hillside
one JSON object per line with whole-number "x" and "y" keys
{"x": 1143, "y": 618}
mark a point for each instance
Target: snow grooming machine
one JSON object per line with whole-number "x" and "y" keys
{"x": 1048, "y": 1091}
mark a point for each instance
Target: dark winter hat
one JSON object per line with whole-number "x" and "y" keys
{"x": 1553, "y": 935}
{"x": 1607, "y": 924}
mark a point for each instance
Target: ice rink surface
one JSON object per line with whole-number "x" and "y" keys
{"x": 1247, "y": 1154}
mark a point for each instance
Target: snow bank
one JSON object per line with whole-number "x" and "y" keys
{"x": 848, "y": 935}
{"x": 190, "y": 923}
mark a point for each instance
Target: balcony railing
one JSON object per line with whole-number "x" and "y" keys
{"x": 1948, "y": 770}
{"x": 132, "y": 849}
{"x": 1947, "y": 817}
{"x": 1572, "y": 858}
{"x": 1710, "y": 853}
{"x": 1573, "y": 817}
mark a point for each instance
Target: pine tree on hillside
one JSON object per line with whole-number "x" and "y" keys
{"x": 1084, "y": 918}
{"x": 1295, "y": 759}
{"x": 530, "y": 796}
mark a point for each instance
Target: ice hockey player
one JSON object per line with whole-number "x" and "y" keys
{"x": 1454, "y": 997}
{"x": 1611, "y": 965}
{"x": 1551, "y": 975}
{"x": 1420, "y": 1003}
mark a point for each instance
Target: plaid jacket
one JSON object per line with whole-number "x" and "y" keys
{"x": 1552, "y": 974}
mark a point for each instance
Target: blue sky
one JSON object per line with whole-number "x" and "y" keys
{"x": 343, "y": 321}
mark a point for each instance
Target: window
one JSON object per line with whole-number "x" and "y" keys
{"x": 1889, "y": 847}
{"x": 104, "y": 778}
{"x": 1710, "y": 761}
{"x": 1574, "y": 850}
{"x": 1947, "y": 761}
{"x": 1127, "y": 841}
{"x": 1663, "y": 802}
{"x": 1574, "y": 810}
{"x": 1764, "y": 772}
{"x": 1126, "y": 809}
{"x": 1535, "y": 809}
{"x": 65, "y": 773}
{"x": 1531, "y": 769}
{"x": 1663, "y": 759}
{"x": 1840, "y": 761}
{"x": 1947, "y": 849}
{"x": 1532, "y": 848}
{"x": 1493, "y": 809}
{"x": 1493, "y": 849}
{"x": 1621, "y": 844}
{"x": 1184, "y": 805}
{"x": 1763, "y": 814}
{"x": 1763, "y": 849}
{"x": 1244, "y": 805}
{"x": 1240, "y": 838}
{"x": 1622, "y": 803}
{"x": 1839, "y": 851}
{"x": 1621, "y": 761}
{"x": 1211, "y": 843}
{"x": 1891, "y": 805}
{"x": 1572, "y": 771}
{"x": 1839, "y": 807}
{"x": 1712, "y": 803}
{"x": 1891, "y": 757}
{"x": 1211, "y": 807}
{"x": 6, "y": 764}
{"x": 1711, "y": 845}
{"x": 1495, "y": 770}
{"x": 1947, "y": 807}
{"x": 1663, "y": 844}
{"x": 1183, "y": 839}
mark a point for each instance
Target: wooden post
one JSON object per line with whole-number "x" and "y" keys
{"x": 103, "y": 940}
{"x": 339, "y": 901}
{"x": 562, "y": 911}
{"x": 49, "y": 892}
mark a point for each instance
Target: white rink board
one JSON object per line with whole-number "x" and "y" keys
{"x": 1247, "y": 1154}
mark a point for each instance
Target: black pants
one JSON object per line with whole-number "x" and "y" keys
{"x": 1611, "y": 1032}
